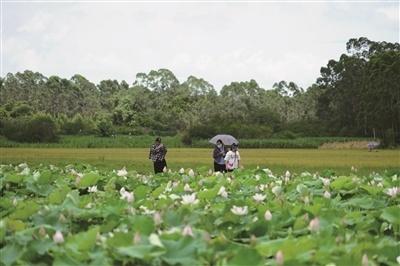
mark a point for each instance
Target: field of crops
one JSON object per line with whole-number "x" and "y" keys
{"x": 80, "y": 215}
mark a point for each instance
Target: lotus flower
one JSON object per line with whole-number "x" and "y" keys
{"x": 267, "y": 171}
{"x": 137, "y": 238}
{"x": 58, "y": 237}
{"x": 122, "y": 172}
{"x": 191, "y": 173}
{"x": 364, "y": 260}
{"x": 259, "y": 197}
{"x": 287, "y": 174}
{"x": 314, "y": 225}
{"x": 187, "y": 188}
{"x": 157, "y": 218}
{"x": 222, "y": 192}
{"x": 279, "y": 257}
{"x": 398, "y": 259}
{"x": 267, "y": 215}
{"x": 189, "y": 199}
{"x": 257, "y": 177}
{"x": 92, "y": 189}
{"x": 165, "y": 169}
{"x": 277, "y": 190}
{"x": 128, "y": 196}
{"x": 181, "y": 171}
{"x": 187, "y": 231}
{"x": 326, "y": 182}
{"x": 239, "y": 210}
{"x": 393, "y": 192}
{"x": 327, "y": 194}
{"x": 23, "y": 165}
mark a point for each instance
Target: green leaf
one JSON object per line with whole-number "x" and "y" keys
{"x": 246, "y": 256}
{"x": 58, "y": 195}
{"x": 25, "y": 210}
{"x": 182, "y": 251}
{"x": 10, "y": 253}
{"x": 83, "y": 241}
{"x": 391, "y": 214}
{"x": 343, "y": 183}
{"x": 89, "y": 179}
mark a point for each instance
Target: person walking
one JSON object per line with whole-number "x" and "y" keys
{"x": 232, "y": 158}
{"x": 157, "y": 155}
{"x": 219, "y": 157}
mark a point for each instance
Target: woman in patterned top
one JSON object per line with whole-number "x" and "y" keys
{"x": 219, "y": 155}
{"x": 157, "y": 155}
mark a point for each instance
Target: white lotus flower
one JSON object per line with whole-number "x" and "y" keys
{"x": 181, "y": 171}
{"x": 92, "y": 189}
{"x": 210, "y": 172}
{"x": 277, "y": 190}
{"x": 393, "y": 191}
{"x": 326, "y": 181}
{"x": 165, "y": 169}
{"x": 287, "y": 175}
{"x": 187, "y": 188}
{"x": 259, "y": 197}
{"x": 189, "y": 199}
{"x": 279, "y": 257}
{"x": 364, "y": 260}
{"x": 267, "y": 215}
{"x": 146, "y": 210}
{"x": 398, "y": 259}
{"x": 257, "y": 177}
{"x": 314, "y": 225}
{"x": 267, "y": 171}
{"x": 23, "y": 165}
{"x": 187, "y": 231}
{"x": 239, "y": 210}
{"x": 191, "y": 173}
{"x": 125, "y": 195}
{"x": 58, "y": 237}
{"x": 222, "y": 192}
{"x": 26, "y": 171}
{"x": 327, "y": 194}
{"x": 122, "y": 172}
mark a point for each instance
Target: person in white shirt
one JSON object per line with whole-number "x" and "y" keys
{"x": 232, "y": 158}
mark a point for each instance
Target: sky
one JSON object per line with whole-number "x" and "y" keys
{"x": 220, "y": 42}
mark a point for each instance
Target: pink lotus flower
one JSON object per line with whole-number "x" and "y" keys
{"x": 314, "y": 225}
{"x": 187, "y": 231}
{"x": 279, "y": 257}
{"x": 58, "y": 237}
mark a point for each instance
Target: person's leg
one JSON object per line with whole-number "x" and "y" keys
{"x": 216, "y": 167}
{"x": 158, "y": 167}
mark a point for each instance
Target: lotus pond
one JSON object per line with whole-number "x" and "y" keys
{"x": 79, "y": 215}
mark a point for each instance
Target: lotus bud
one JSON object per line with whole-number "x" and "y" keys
{"x": 279, "y": 257}
{"x": 314, "y": 225}
{"x": 364, "y": 260}
{"x": 191, "y": 173}
{"x": 58, "y": 237}
{"x": 267, "y": 215}
{"x": 187, "y": 231}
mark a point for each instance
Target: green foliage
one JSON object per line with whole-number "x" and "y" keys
{"x": 104, "y": 128}
{"x": 39, "y": 128}
{"x": 100, "y": 227}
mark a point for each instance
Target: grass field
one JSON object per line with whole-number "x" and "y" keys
{"x": 278, "y": 160}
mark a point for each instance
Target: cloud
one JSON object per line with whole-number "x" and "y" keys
{"x": 391, "y": 13}
{"x": 219, "y": 42}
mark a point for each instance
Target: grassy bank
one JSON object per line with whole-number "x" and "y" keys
{"x": 125, "y": 141}
{"x": 279, "y": 160}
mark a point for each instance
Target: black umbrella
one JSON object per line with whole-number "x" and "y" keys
{"x": 226, "y": 139}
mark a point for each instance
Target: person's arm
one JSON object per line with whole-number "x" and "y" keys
{"x": 226, "y": 159}
{"x": 215, "y": 153}
{"x": 165, "y": 150}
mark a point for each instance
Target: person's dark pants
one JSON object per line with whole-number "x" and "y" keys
{"x": 159, "y": 166}
{"x": 219, "y": 167}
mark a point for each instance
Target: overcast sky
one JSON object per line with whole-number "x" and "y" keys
{"x": 220, "y": 42}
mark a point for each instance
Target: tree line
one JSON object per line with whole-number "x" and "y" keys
{"x": 357, "y": 95}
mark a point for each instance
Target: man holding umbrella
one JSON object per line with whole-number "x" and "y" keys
{"x": 219, "y": 157}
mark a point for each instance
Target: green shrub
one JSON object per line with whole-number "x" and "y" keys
{"x": 105, "y": 128}
{"x": 389, "y": 138}
{"x": 39, "y": 128}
